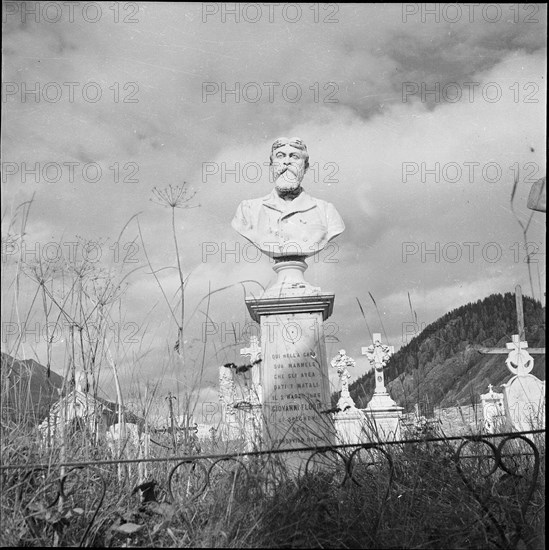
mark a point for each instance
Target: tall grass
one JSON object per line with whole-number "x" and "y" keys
{"x": 409, "y": 496}
{"x": 399, "y": 496}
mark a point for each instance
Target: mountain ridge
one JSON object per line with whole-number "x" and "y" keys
{"x": 439, "y": 366}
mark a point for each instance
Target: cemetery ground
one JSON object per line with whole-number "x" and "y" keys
{"x": 410, "y": 495}
{"x": 429, "y": 491}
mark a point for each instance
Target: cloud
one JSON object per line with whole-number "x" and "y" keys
{"x": 167, "y": 116}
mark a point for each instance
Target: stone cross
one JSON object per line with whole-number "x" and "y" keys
{"x": 227, "y": 389}
{"x": 518, "y": 343}
{"x": 341, "y": 362}
{"x": 523, "y": 394}
{"x": 254, "y": 351}
{"x": 519, "y": 361}
{"x": 493, "y": 412}
{"x": 378, "y": 354}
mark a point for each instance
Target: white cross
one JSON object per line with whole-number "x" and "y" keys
{"x": 378, "y": 354}
{"x": 519, "y": 361}
{"x": 254, "y": 351}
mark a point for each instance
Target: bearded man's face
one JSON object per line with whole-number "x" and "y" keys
{"x": 288, "y": 167}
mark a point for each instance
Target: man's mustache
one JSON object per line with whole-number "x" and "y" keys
{"x": 293, "y": 169}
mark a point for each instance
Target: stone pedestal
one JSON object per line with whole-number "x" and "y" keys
{"x": 493, "y": 413}
{"x": 383, "y": 418}
{"x": 250, "y": 426}
{"x": 383, "y": 424}
{"x": 294, "y": 370}
{"x": 524, "y": 402}
{"x": 349, "y": 426}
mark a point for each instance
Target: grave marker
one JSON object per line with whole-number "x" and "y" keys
{"x": 523, "y": 394}
{"x": 382, "y": 412}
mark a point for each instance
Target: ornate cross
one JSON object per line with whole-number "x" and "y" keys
{"x": 254, "y": 351}
{"x": 378, "y": 354}
{"x": 341, "y": 362}
{"x": 519, "y": 361}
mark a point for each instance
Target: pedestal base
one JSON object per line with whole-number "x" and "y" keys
{"x": 383, "y": 424}
{"x": 294, "y": 371}
{"x": 524, "y": 402}
{"x": 349, "y": 426}
{"x": 381, "y": 401}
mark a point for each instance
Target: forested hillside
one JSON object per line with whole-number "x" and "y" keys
{"x": 439, "y": 368}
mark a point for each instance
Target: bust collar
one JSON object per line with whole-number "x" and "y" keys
{"x": 301, "y": 203}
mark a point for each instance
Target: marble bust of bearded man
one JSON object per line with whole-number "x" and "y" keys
{"x": 288, "y": 222}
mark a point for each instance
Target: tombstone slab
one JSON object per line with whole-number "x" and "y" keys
{"x": 524, "y": 401}
{"x": 350, "y": 425}
{"x": 294, "y": 370}
{"x": 383, "y": 424}
{"x": 382, "y": 413}
{"x": 493, "y": 412}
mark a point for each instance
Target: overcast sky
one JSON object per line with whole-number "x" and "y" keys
{"x": 417, "y": 121}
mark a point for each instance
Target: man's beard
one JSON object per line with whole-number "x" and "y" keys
{"x": 288, "y": 182}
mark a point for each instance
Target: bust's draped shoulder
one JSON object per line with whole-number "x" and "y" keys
{"x": 246, "y": 214}
{"x": 333, "y": 219}
{"x": 306, "y": 223}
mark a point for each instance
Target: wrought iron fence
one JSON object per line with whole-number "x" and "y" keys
{"x": 494, "y": 468}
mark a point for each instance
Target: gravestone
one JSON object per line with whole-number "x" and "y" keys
{"x": 252, "y": 403}
{"x": 289, "y": 225}
{"x": 493, "y": 412}
{"x": 382, "y": 413}
{"x": 524, "y": 393}
{"x": 295, "y": 380}
{"x": 349, "y": 421}
{"x": 229, "y": 426}
{"x": 341, "y": 363}
{"x": 254, "y": 389}
{"x": 241, "y": 398}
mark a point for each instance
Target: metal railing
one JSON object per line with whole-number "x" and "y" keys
{"x": 494, "y": 468}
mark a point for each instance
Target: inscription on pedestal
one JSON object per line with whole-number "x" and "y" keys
{"x": 295, "y": 380}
